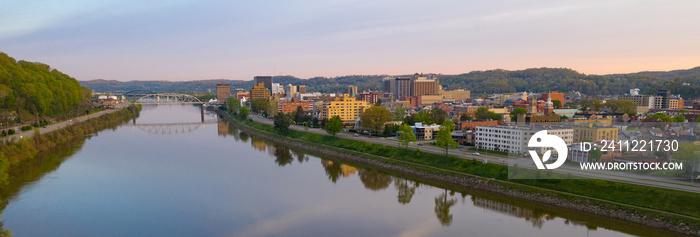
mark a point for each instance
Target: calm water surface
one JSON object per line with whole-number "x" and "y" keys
{"x": 169, "y": 175}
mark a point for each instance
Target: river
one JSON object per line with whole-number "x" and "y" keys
{"x": 210, "y": 179}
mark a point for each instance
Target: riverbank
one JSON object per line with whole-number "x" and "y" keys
{"x": 485, "y": 180}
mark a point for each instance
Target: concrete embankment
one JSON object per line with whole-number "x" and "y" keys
{"x": 658, "y": 219}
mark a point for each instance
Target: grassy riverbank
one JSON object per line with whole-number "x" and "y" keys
{"x": 620, "y": 194}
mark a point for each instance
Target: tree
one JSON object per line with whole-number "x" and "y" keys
{"x": 465, "y": 117}
{"x": 423, "y": 116}
{"x": 557, "y": 104}
{"x": 662, "y": 116}
{"x": 690, "y": 155}
{"x": 595, "y": 155}
{"x": 597, "y": 104}
{"x": 374, "y": 118}
{"x": 299, "y": 115}
{"x": 585, "y": 104}
{"x": 622, "y": 106}
{"x": 334, "y": 125}
{"x": 438, "y": 115}
{"x": 259, "y": 105}
{"x": 379, "y": 102}
{"x": 679, "y": 118}
{"x": 400, "y": 113}
{"x": 243, "y": 112}
{"x": 444, "y": 136}
{"x": 406, "y": 135}
{"x": 233, "y": 104}
{"x": 282, "y": 123}
{"x": 515, "y": 112}
{"x": 483, "y": 113}
{"x": 271, "y": 109}
{"x": 571, "y": 105}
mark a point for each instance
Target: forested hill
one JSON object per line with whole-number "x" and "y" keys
{"x": 31, "y": 89}
{"x": 491, "y": 81}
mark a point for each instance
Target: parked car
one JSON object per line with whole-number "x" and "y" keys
{"x": 420, "y": 144}
{"x": 476, "y": 153}
{"x": 356, "y": 135}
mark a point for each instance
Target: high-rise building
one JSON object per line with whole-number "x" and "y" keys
{"x": 275, "y": 88}
{"x": 403, "y": 87}
{"x": 266, "y": 80}
{"x": 291, "y": 90}
{"x": 223, "y": 92}
{"x": 301, "y": 89}
{"x": 389, "y": 85}
{"x": 351, "y": 90}
{"x": 640, "y": 100}
{"x": 347, "y": 108}
{"x": 425, "y": 85}
{"x": 259, "y": 92}
{"x": 663, "y": 96}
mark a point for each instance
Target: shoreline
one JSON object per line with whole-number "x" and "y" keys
{"x": 639, "y": 215}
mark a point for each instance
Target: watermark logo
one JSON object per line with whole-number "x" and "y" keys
{"x": 541, "y": 139}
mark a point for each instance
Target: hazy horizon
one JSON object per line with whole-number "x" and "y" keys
{"x": 188, "y": 41}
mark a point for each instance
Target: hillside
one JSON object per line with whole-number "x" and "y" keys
{"x": 491, "y": 81}
{"x": 32, "y": 89}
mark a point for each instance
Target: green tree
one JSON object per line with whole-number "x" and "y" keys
{"x": 444, "y": 136}
{"x": 334, "y": 126}
{"x": 271, "y": 109}
{"x": 258, "y": 105}
{"x": 689, "y": 154}
{"x": 374, "y": 118}
{"x": 379, "y": 102}
{"x": 438, "y": 115}
{"x": 594, "y": 155}
{"x": 300, "y": 115}
{"x": 557, "y": 104}
{"x": 422, "y": 116}
{"x": 406, "y": 135}
{"x": 515, "y": 112}
{"x": 571, "y": 105}
{"x": 232, "y": 105}
{"x": 483, "y": 113}
{"x": 400, "y": 113}
{"x": 465, "y": 117}
{"x": 243, "y": 112}
{"x": 597, "y": 104}
{"x": 679, "y": 118}
{"x": 662, "y": 116}
{"x": 585, "y": 104}
{"x": 282, "y": 123}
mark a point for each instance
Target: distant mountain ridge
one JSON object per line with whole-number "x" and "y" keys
{"x": 490, "y": 81}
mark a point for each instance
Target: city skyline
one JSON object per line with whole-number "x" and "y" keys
{"x": 183, "y": 41}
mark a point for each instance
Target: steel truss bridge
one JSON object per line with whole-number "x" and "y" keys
{"x": 168, "y": 98}
{"x": 171, "y": 128}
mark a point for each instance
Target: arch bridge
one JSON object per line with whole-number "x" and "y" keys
{"x": 168, "y": 98}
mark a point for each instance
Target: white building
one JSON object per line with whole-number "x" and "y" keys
{"x": 276, "y": 88}
{"x": 514, "y": 139}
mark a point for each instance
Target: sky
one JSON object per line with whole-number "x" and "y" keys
{"x": 177, "y": 40}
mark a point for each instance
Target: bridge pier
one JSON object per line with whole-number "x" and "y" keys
{"x": 202, "y": 111}
{"x": 133, "y": 112}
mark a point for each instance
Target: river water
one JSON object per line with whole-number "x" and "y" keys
{"x": 169, "y": 175}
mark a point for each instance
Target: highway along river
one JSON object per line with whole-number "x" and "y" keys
{"x": 171, "y": 175}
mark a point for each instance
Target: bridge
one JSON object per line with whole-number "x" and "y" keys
{"x": 171, "y": 128}
{"x": 169, "y": 98}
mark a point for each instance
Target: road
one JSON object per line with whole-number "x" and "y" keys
{"x": 55, "y": 126}
{"x": 522, "y": 162}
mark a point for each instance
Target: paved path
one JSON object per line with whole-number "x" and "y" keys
{"x": 55, "y": 126}
{"x": 523, "y": 162}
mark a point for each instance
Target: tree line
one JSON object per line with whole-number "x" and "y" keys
{"x": 30, "y": 89}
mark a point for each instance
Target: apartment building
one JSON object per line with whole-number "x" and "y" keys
{"x": 514, "y": 139}
{"x": 346, "y": 107}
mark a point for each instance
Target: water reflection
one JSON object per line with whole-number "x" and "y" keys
{"x": 442, "y": 207}
{"x": 406, "y": 189}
